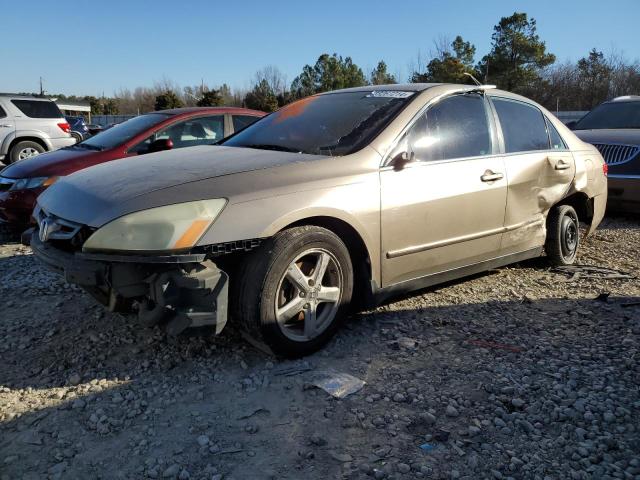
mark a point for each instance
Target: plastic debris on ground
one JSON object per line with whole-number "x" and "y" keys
{"x": 336, "y": 384}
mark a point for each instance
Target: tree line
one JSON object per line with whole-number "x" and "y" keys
{"x": 518, "y": 61}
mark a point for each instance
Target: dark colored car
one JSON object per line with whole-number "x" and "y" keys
{"x": 22, "y": 182}
{"x": 94, "y": 128}
{"x": 78, "y": 128}
{"x": 614, "y": 129}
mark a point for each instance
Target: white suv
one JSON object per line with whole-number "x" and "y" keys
{"x": 30, "y": 126}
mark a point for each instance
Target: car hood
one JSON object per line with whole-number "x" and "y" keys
{"x": 97, "y": 195}
{"x": 624, "y": 136}
{"x": 58, "y": 162}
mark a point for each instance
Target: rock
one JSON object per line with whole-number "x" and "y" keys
{"x": 404, "y": 468}
{"x": 171, "y": 471}
{"x": 398, "y": 397}
{"x": 517, "y": 402}
{"x": 340, "y": 457}
{"x": 74, "y": 379}
{"x": 78, "y": 403}
{"x": 184, "y": 475}
{"x": 451, "y": 411}
{"x": 203, "y": 440}
{"x": 317, "y": 440}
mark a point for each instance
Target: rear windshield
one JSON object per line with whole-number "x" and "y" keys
{"x": 611, "y": 115}
{"x": 121, "y": 133}
{"x": 330, "y": 124}
{"x": 38, "y": 109}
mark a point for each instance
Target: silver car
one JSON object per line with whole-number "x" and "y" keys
{"x": 30, "y": 126}
{"x": 332, "y": 203}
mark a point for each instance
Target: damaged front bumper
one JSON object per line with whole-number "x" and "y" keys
{"x": 183, "y": 290}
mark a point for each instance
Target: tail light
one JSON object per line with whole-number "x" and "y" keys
{"x": 605, "y": 169}
{"x": 65, "y": 127}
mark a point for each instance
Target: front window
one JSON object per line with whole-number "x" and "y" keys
{"x": 331, "y": 124}
{"x": 189, "y": 133}
{"x": 455, "y": 127}
{"x": 122, "y": 132}
{"x": 611, "y": 115}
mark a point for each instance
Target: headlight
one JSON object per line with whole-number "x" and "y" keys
{"x": 35, "y": 182}
{"x": 173, "y": 227}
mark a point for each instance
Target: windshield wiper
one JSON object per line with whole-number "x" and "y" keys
{"x": 268, "y": 146}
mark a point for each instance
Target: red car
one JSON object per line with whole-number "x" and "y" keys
{"x": 22, "y": 182}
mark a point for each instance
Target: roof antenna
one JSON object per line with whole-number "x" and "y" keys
{"x": 475, "y": 80}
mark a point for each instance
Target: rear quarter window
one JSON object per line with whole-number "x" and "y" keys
{"x": 2, "y": 113}
{"x": 38, "y": 109}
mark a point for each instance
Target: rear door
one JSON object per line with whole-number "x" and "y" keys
{"x": 539, "y": 169}
{"x": 445, "y": 209}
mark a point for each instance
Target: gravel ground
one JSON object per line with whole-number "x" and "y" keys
{"x": 522, "y": 372}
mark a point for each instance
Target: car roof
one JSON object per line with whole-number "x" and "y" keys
{"x": 221, "y": 110}
{"x": 18, "y": 96}
{"x": 398, "y": 87}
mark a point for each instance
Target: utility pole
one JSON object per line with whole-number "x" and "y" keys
{"x": 41, "y": 89}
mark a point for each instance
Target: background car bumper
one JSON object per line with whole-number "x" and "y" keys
{"x": 61, "y": 142}
{"x": 624, "y": 192}
{"x": 16, "y": 207}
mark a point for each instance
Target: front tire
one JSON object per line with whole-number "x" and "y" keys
{"x": 563, "y": 235}
{"x": 293, "y": 292}
{"x": 23, "y": 150}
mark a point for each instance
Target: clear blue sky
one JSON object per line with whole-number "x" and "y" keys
{"x": 86, "y": 48}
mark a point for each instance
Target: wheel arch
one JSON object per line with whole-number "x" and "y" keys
{"x": 582, "y": 204}
{"x": 358, "y": 251}
{"x": 34, "y": 139}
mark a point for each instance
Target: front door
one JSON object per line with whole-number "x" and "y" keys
{"x": 7, "y": 127}
{"x": 444, "y": 209}
{"x": 539, "y": 170}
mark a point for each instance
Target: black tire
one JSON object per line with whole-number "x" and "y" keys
{"x": 77, "y": 136}
{"x": 260, "y": 280}
{"x": 563, "y": 235}
{"x": 14, "y": 154}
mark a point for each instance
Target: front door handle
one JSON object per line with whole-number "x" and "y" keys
{"x": 490, "y": 176}
{"x": 6, "y": 125}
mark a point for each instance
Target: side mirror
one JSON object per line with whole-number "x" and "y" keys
{"x": 160, "y": 145}
{"x": 571, "y": 125}
{"x": 401, "y": 159}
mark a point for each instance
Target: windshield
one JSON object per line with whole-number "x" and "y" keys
{"x": 122, "y": 132}
{"x": 611, "y": 115}
{"x": 331, "y": 124}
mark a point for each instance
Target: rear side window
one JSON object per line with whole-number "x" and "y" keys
{"x": 556, "y": 140}
{"x": 523, "y": 126}
{"x": 456, "y": 127}
{"x": 241, "y": 121}
{"x": 2, "y": 113}
{"x": 38, "y": 109}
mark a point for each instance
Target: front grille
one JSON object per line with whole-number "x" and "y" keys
{"x": 64, "y": 234}
{"x": 615, "y": 154}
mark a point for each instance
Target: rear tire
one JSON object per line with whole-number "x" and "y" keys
{"x": 76, "y": 136}
{"x": 293, "y": 293}
{"x": 23, "y": 150}
{"x": 563, "y": 235}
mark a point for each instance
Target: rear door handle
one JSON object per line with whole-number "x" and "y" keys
{"x": 562, "y": 165}
{"x": 490, "y": 176}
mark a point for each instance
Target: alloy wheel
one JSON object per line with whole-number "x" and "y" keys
{"x": 27, "y": 153}
{"x": 308, "y": 295}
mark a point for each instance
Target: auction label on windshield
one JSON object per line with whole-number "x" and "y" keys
{"x": 390, "y": 94}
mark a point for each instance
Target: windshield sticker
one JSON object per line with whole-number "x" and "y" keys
{"x": 389, "y": 94}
